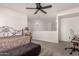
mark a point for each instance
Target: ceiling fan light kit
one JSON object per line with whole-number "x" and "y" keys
{"x": 40, "y": 8}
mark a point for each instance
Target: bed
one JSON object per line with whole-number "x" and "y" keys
{"x": 15, "y": 43}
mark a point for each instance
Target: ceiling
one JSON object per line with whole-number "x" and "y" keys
{"x": 57, "y": 7}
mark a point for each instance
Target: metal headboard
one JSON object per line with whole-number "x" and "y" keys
{"x": 9, "y": 31}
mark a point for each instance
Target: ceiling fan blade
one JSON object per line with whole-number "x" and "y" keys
{"x": 49, "y": 6}
{"x": 30, "y": 8}
{"x": 36, "y": 12}
{"x": 43, "y": 11}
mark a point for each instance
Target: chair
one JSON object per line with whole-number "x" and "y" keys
{"x": 75, "y": 43}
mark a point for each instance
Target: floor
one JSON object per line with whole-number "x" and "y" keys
{"x": 54, "y": 49}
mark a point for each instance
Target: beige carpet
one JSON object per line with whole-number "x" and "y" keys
{"x": 53, "y": 49}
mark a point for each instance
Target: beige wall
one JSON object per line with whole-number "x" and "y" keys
{"x": 66, "y": 25}
{"x": 42, "y": 24}
{"x": 12, "y": 18}
{"x": 42, "y": 30}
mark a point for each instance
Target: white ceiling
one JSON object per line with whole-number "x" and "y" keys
{"x": 57, "y": 7}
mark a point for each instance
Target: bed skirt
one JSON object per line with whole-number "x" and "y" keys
{"x": 30, "y": 49}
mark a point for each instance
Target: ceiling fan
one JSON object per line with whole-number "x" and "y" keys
{"x": 39, "y": 7}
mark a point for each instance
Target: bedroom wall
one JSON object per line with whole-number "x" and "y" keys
{"x": 66, "y": 25}
{"x": 42, "y": 30}
{"x": 42, "y": 23}
{"x": 12, "y": 18}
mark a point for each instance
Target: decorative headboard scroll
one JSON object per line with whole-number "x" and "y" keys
{"x": 9, "y": 31}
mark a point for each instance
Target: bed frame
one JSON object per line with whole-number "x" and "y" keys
{"x": 6, "y": 30}
{"x": 14, "y": 43}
